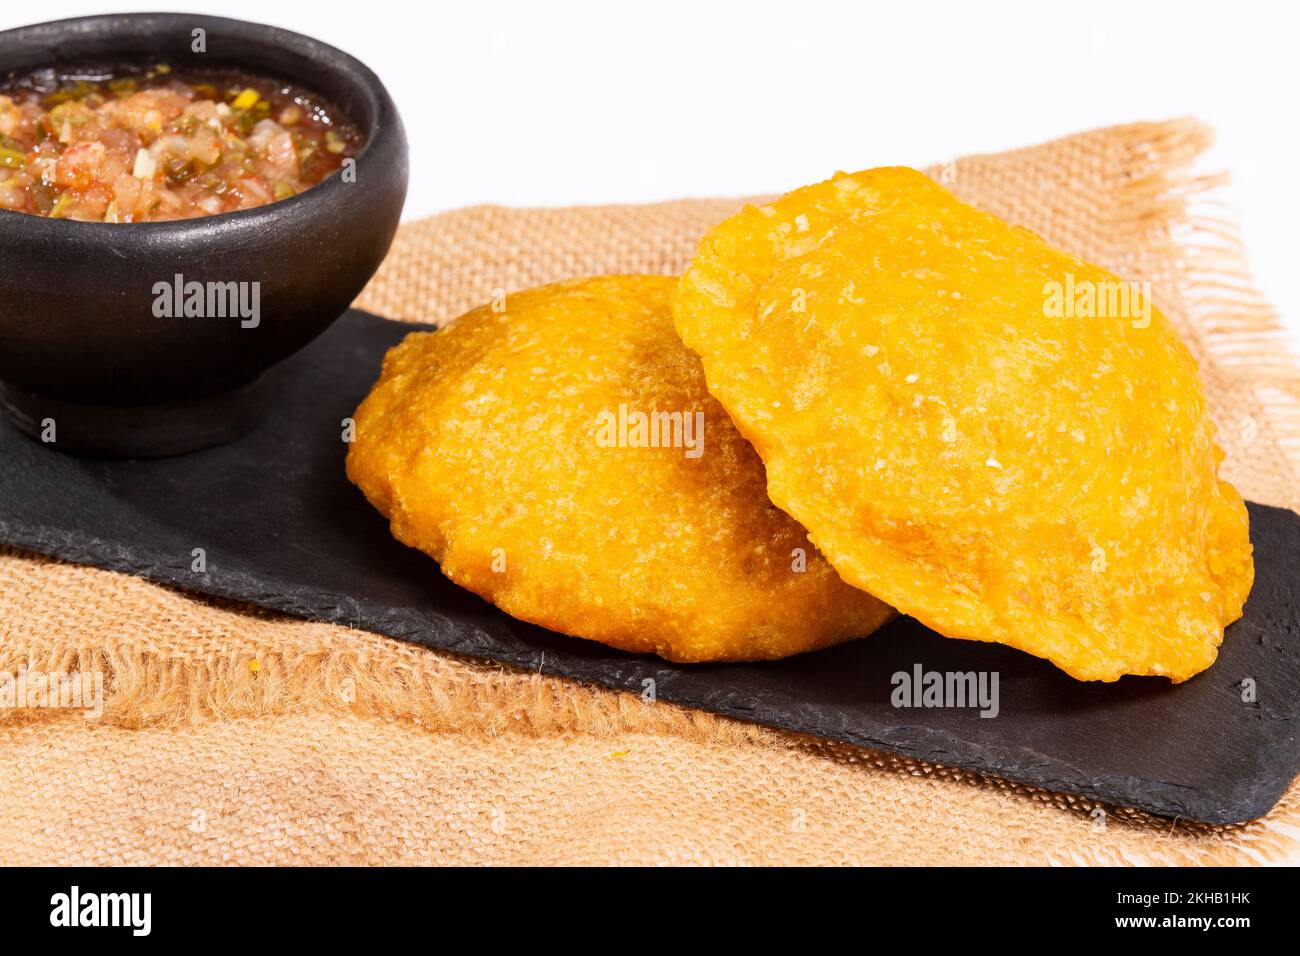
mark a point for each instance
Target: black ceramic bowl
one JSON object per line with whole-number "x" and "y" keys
{"x": 79, "y": 341}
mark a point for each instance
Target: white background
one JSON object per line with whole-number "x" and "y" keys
{"x": 555, "y": 103}
{"x": 558, "y": 103}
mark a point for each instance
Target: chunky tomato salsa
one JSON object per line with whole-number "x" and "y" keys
{"x": 157, "y": 145}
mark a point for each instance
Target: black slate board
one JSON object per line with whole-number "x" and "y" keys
{"x": 282, "y": 528}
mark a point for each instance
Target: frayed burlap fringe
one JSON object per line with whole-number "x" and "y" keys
{"x": 247, "y": 668}
{"x": 206, "y": 694}
{"x": 256, "y": 670}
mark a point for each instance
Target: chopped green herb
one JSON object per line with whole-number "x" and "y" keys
{"x": 177, "y": 171}
{"x": 76, "y": 91}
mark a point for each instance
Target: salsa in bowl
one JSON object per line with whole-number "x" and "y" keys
{"x": 125, "y": 145}
{"x": 167, "y": 236}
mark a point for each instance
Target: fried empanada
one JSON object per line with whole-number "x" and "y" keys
{"x": 988, "y": 433}
{"x": 562, "y": 458}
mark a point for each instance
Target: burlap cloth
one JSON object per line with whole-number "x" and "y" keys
{"x": 235, "y": 736}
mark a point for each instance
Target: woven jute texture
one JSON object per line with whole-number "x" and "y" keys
{"x": 230, "y": 735}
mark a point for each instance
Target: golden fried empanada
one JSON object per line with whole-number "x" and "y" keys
{"x": 562, "y": 458}
{"x": 988, "y": 433}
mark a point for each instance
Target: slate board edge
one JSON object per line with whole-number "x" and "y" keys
{"x": 1182, "y": 802}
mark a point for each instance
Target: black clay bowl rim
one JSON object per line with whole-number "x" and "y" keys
{"x": 361, "y": 76}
